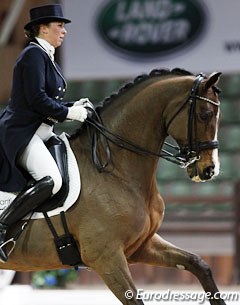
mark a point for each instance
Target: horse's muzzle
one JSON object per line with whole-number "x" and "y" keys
{"x": 201, "y": 175}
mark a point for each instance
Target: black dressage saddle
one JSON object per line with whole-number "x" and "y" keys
{"x": 58, "y": 150}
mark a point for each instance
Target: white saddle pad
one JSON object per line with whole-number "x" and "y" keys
{"x": 74, "y": 186}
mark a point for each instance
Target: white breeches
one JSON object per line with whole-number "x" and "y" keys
{"x": 37, "y": 160}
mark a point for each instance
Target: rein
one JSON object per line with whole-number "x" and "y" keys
{"x": 184, "y": 156}
{"x": 125, "y": 144}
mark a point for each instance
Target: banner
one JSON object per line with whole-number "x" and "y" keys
{"x": 125, "y": 38}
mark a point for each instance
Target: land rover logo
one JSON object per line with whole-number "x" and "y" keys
{"x": 151, "y": 27}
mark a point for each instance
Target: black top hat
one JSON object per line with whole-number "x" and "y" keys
{"x": 45, "y": 14}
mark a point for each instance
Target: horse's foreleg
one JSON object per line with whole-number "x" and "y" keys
{"x": 159, "y": 252}
{"x": 114, "y": 271}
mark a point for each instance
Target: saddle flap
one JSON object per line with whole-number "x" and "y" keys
{"x": 57, "y": 148}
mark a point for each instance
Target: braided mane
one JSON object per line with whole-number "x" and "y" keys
{"x": 141, "y": 78}
{"x": 154, "y": 73}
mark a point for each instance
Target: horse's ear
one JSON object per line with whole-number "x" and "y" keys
{"x": 212, "y": 80}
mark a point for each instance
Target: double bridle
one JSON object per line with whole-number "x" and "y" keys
{"x": 190, "y": 153}
{"x": 184, "y": 156}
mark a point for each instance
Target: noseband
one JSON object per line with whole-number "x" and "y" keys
{"x": 190, "y": 153}
{"x": 184, "y": 156}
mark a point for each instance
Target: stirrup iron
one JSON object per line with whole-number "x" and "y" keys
{"x": 11, "y": 240}
{"x": 14, "y": 239}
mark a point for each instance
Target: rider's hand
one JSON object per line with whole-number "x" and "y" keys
{"x": 78, "y": 113}
{"x": 84, "y": 102}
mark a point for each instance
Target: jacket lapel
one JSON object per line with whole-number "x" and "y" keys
{"x": 53, "y": 63}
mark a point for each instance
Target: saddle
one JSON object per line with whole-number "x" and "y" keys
{"x": 57, "y": 148}
{"x": 61, "y": 151}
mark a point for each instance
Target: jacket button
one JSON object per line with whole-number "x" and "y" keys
{"x": 57, "y": 97}
{"x": 59, "y": 88}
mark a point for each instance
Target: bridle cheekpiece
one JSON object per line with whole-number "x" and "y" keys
{"x": 190, "y": 153}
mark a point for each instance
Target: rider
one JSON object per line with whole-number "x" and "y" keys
{"x": 36, "y": 104}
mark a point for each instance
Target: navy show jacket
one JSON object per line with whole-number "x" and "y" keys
{"x": 37, "y": 93}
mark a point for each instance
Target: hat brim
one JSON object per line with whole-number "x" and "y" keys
{"x": 45, "y": 20}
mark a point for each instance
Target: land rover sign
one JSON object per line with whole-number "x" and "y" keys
{"x": 151, "y": 28}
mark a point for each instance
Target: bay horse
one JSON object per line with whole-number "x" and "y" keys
{"x": 116, "y": 219}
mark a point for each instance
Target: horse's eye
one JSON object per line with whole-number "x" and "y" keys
{"x": 205, "y": 115}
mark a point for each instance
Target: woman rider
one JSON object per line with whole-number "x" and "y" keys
{"x": 36, "y": 103}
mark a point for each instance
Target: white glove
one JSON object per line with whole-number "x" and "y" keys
{"x": 78, "y": 113}
{"x": 84, "y": 102}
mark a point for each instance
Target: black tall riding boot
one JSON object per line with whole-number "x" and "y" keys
{"x": 23, "y": 204}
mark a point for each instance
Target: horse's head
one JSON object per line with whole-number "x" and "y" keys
{"x": 196, "y": 128}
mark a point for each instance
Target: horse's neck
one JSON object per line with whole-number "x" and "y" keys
{"x": 137, "y": 116}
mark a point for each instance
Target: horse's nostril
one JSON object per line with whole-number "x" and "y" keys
{"x": 208, "y": 172}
